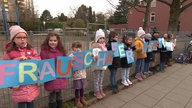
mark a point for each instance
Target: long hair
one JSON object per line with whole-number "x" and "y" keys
{"x": 60, "y": 46}
{"x": 125, "y": 37}
{"x": 112, "y": 34}
{"x": 12, "y": 46}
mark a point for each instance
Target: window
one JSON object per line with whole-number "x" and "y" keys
{"x": 152, "y": 17}
{"x": 153, "y": 3}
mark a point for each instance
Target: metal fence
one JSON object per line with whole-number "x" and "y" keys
{"x": 36, "y": 39}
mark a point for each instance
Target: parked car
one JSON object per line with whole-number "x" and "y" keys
{"x": 58, "y": 30}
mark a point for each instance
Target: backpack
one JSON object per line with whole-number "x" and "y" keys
{"x": 182, "y": 58}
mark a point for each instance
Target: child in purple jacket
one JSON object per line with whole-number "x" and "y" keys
{"x": 51, "y": 48}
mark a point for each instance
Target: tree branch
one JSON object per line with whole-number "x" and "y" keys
{"x": 139, "y": 10}
{"x": 186, "y": 6}
{"x": 183, "y": 1}
{"x": 165, "y": 2}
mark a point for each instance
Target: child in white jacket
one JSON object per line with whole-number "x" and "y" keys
{"x": 97, "y": 46}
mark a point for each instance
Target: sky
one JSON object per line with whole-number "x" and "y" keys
{"x": 55, "y": 7}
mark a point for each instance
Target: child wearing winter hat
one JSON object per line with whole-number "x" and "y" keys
{"x": 149, "y": 57}
{"x": 139, "y": 43}
{"x": 99, "y": 45}
{"x": 18, "y": 48}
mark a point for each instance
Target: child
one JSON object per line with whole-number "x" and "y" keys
{"x": 139, "y": 43}
{"x": 155, "y": 37}
{"x": 163, "y": 55}
{"x": 127, "y": 40}
{"x": 18, "y": 48}
{"x": 170, "y": 38}
{"x": 99, "y": 45}
{"x": 79, "y": 79}
{"x": 51, "y": 48}
{"x": 149, "y": 57}
{"x": 113, "y": 37}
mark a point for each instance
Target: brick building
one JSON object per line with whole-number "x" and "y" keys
{"x": 158, "y": 17}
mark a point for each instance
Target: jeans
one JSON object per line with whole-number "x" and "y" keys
{"x": 23, "y": 105}
{"x": 98, "y": 79}
{"x": 161, "y": 67}
{"x": 125, "y": 74}
{"x": 113, "y": 72}
{"x": 54, "y": 96}
{"x": 139, "y": 63}
{"x": 146, "y": 67}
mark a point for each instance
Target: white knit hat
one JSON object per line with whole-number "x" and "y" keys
{"x": 99, "y": 34}
{"x": 140, "y": 32}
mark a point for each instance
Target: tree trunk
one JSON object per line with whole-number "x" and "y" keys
{"x": 174, "y": 16}
{"x": 145, "y": 24}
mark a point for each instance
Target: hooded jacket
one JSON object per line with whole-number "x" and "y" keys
{"x": 25, "y": 93}
{"x": 139, "y": 47}
{"x": 58, "y": 83}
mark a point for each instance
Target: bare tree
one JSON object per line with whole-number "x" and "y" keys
{"x": 176, "y": 8}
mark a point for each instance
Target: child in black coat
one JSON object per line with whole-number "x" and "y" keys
{"x": 127, "y": 40}
{"x": 149, "y": 57}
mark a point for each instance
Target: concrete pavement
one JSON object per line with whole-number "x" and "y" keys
{"x": 171, "y": 89}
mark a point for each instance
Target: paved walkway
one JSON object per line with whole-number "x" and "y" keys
{"x": 171, "y": 89}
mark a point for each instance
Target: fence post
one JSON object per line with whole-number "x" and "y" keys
{"x": 5, "y": 22}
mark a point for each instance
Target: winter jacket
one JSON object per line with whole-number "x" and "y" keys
{"x": 25, "y": 93}
{"x": 124, "y": 63}
{"x": 96, "y": 47}
{"x": 58, "y": 83}
{"x": 116, "y": 60}
{"x": 139, "y": 47}
{"x": 79, "y": 74}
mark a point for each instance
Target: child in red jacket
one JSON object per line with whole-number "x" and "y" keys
{"x": 18, "y": 48}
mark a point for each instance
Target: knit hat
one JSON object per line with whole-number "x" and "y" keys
{"x": 148, "y": 35}
{"x": 14, "y": 30}
{"x": 140, "y": 32}
{"x": 99, "y": 34}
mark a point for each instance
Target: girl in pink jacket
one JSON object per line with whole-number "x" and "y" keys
{"x": 18, "y": 48}
{"x": 51, "y": 48}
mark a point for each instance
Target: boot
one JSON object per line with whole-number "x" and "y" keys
{"x": 59, "y": 103}
{"x": 83, "y": 101}
{"x": 142, "y": 75}
{"x": 102, "y": 93}
{"x": 138, "y": 76}
{"x": 78, "y": 103}
{"x": 52, "y": 105}
{"x": 115, "y": 89}
{"x": 98, "y": 94}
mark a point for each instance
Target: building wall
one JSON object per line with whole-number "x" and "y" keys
{"x": 135, "y": 19}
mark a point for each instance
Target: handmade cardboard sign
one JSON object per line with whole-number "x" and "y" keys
{"x": 130, "y": 56}
{"x": 47, "y": 70}
{"x": 169, "y": 46}
{"x": 105, "y": 58}
{"x": 9, "y": 75}
{"x": 82, "y": 60}
{"x": 145, "y": 48}
{"x": 114, "y": 46}
{"x": 160, "y": 42}
{"x": 64, "y": 65}
{"x": 121, "y": 50}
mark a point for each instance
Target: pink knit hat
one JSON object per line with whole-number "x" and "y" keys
{"x": 14, "y": 30}
{"x": 140, "y": 32}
